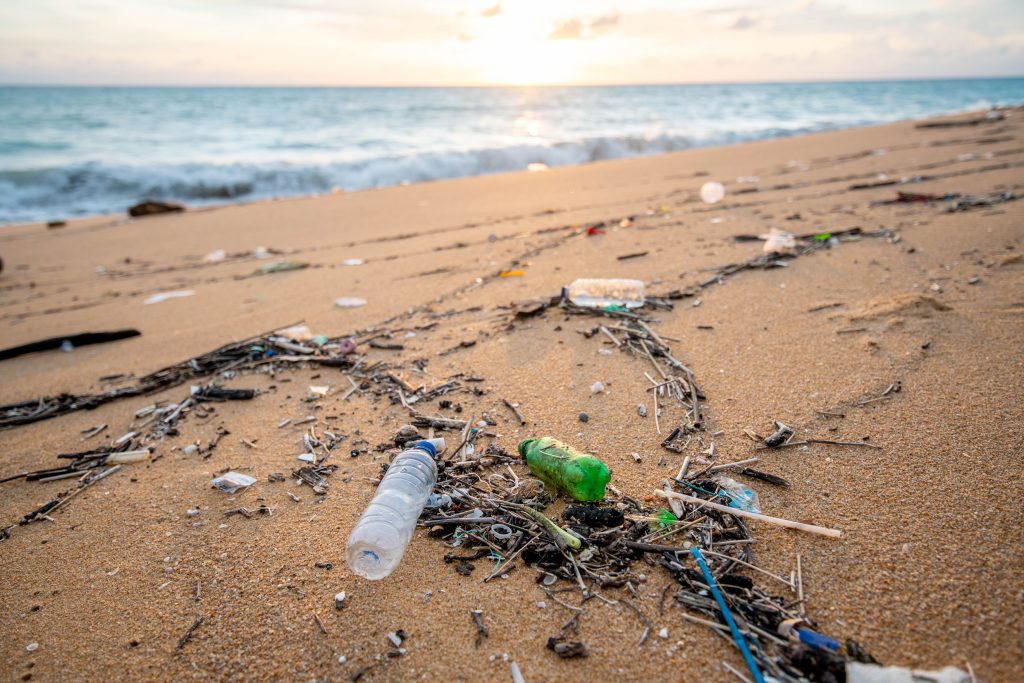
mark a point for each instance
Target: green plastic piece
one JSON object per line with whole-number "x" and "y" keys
{"x": 665, "y": 518}
{"x": 823, "y": 237}
{"x": 583, "y": 477}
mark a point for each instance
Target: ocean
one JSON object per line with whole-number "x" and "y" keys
{"x": 74, "y": 151}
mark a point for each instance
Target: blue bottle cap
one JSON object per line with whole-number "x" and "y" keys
{"x": 427, "y": 447}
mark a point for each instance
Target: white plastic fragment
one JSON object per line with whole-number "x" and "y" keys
{"x": 663, "y": 633}
{"x": 232, "y": 481}
{"x": 32, "y": 647}
{"x": 712, "y": 192}
{"x": 126, "y": 457}
{"x": 125, "y": 438}
{"x": 870, "y": 673}
{"x": 517, "y": 675}
{"x": 596, "y": 388}
{"x": 349, "y": 302}
{"x": 299, "y": 333}
{"x": 352, "y": 262}
{"x": 215, "y": 256}
{"x": 779, "y": 242}
{"x": 164, "y": 296}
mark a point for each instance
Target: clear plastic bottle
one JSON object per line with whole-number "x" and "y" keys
{"x": 380, "y": 537}
{"x": 601, "y": 292}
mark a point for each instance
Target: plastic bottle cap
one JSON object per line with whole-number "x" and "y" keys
{"x": 430, "y": 446}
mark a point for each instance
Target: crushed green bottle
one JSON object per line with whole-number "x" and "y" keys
{"x": 583, "y": 477}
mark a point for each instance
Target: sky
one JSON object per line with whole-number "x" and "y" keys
{"x": 503, "y": 42}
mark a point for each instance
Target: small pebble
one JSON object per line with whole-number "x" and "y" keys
{"x": 192, "y": 512}
{"x": 32, "y": 647}
{"x": 584, "y": 417}
{"x": 641, "y": 410}
{"x": 541, "y": 604}
{"x": 596, "y": 388}
{"x": 663, "y": 633}
{"x": 974, "y": 280}
{"x": 341, "y": 659}
{"x": 339, "y": 602}
{"x": 189, "y": 449}
{"x": 395, "y": 639}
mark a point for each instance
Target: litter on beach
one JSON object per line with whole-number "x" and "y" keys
{"x": 167, "y": 296}
{"x": 232, "y": 481}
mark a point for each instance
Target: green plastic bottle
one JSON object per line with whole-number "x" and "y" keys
{"x": 583, "y": 477}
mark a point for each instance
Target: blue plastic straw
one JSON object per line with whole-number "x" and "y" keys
{"x": 741, "y": 642}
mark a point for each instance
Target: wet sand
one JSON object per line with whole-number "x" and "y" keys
{"x": 930, "y": 568}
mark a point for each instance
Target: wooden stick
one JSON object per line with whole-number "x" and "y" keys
{"x": 823, "y": 531}
{"x": 515, "y": 411}
{"x": 800, "y": 586}
{"x": 657, "y": 423}
{"x": 185, "y": 637}
{"x": 731, "y": 465}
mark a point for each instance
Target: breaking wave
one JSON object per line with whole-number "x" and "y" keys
{"x": 97, "y": 187}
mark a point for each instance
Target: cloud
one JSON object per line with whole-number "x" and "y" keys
{"x": 571, "y": 29}
{"x": 745, "y": 21}
{"x": 605, "y": 22}
{"x": 579, "y": 29}
{"x": 492, "y": 11}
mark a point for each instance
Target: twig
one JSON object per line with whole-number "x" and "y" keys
{"x": 825, "y": 441}
{"x": 515, "y": 411}
{"x": 800, "y": 586}
{"x": 481, "y": 631}
{"x": 320, "y": 624}
{"x": 187, "y": 635}
{"x": 645, "y": 620}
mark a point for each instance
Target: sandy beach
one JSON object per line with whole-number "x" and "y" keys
{"x": 929, "y": 570}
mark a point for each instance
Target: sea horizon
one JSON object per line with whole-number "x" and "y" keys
{"x": 69, "y": 151}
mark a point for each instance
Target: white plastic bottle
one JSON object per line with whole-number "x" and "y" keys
{"x": 600, "y": 292}
{"x": 380, "y": 537}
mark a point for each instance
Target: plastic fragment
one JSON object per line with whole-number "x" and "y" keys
{"x": 232, "y": 481}
{"x": 712, "y": 192}
{"x": 165, "y": 296}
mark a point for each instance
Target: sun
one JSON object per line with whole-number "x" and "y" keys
{"x": 514, "y": 51}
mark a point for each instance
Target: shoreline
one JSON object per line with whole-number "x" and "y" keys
{"x": 914, "y": 301}
{"x": 468, "y": 163}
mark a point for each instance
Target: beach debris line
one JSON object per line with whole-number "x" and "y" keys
{"x": 266, "y": 351}
{"x": 68, "y": 342}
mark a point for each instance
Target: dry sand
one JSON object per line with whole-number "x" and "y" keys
{"x": 930, "y": 568}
